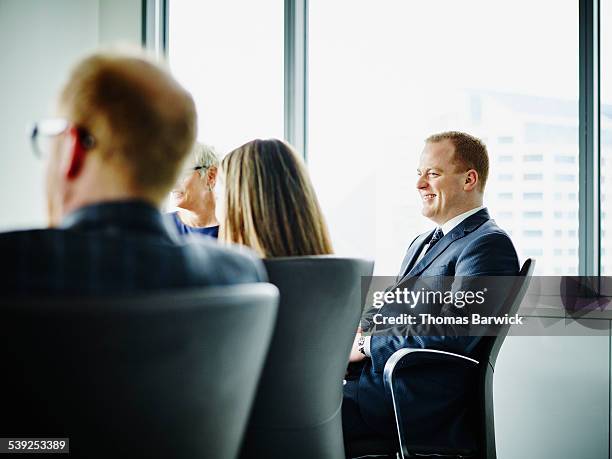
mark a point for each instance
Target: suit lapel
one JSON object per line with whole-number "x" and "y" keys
{"x": 461, "y": 230}
{"x": 436, "y": 250}
{"x": 412, "y": 254}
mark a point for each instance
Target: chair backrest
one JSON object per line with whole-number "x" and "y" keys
{"x": 297, "y": 408}
{"x": 489, "y": 350}
{"x": 170, "y": 374}
{"x": 511, "y": 306}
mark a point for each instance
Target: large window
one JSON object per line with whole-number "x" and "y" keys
{"x": 399, "y": 71}
{"x": 229, "y": 54}
{"x": 382, "y": 77}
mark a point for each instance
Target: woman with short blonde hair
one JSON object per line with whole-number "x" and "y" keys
{"x": 270, "y": 204}
{"x": 194, "y": 196}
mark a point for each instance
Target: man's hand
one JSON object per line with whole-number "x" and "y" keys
{"x": 356, "y": 355}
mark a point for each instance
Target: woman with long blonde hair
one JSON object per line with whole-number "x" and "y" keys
{"x": 270, "y": 204}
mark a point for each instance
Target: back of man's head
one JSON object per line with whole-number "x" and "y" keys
{"x": 142, "y": 120}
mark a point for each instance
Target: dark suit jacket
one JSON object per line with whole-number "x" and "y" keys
{"x": 117, "y": 247}
{"x": 476, "y": 247}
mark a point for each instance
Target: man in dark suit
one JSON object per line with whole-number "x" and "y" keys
{"x": 452, "y": 175}
{"x": 123, "y": 129}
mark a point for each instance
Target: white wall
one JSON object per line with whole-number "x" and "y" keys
{"x": 39, "y": 41}
{"x": 119, "y": 21}
{"x": 551, "y": 394}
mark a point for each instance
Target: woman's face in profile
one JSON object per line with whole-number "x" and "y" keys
{"x": 190, "y": 190}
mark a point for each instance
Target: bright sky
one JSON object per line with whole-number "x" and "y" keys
{"x": 229, "y": 54}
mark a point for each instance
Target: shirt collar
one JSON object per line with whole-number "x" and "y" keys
{"x": 116, "y": 216}
{"x": 453, "y": 222}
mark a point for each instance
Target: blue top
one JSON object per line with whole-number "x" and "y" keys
{"x": 212, "y": 231}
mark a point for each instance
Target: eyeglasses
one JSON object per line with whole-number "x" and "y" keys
{"x": 43, "y": 131}
{"x": 190, "y": 170}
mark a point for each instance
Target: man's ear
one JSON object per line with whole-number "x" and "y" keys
{"x": 471, "y": 180}
{"x": 74, "y": 154}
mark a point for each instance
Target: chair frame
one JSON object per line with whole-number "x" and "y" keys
{"x": 398, "y": 360}
{"x": 402, "y": 357}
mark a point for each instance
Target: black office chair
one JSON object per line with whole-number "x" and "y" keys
{"x": 481, "y": 417}
{"x": 169, "y": 374}
{"x": 297, "y": 410}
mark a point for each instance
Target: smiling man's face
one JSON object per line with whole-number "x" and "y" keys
{"x": 441, "y": 182}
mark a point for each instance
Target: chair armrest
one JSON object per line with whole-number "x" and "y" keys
{"x": 405, "y": 357}
{"x": 402, "y": 358}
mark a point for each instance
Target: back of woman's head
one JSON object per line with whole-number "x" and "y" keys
{"x": 270, "y": 204}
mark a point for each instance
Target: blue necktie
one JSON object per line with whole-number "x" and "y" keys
{"x": 437, "y": 235}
